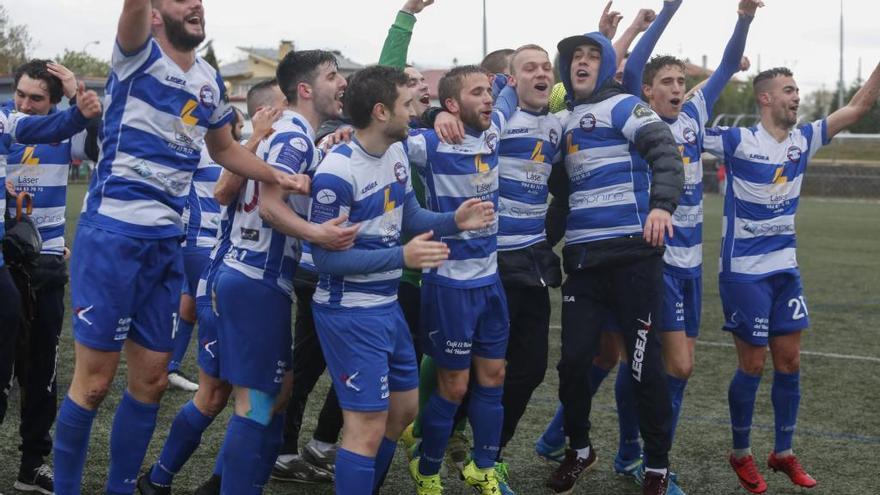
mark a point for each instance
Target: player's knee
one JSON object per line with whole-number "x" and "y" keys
{"x": 94, "y": 395}
{"x": 681, "y": 369}
{"x": 753, "y": 368}
{"x": 787, "y": 364}
{"x": 211, "y": 401}
{"x": 261, "y": 406}
{"x": 492, "y": 376}
{"x": 453, "y": 388}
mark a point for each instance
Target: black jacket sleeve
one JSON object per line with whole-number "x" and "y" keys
{"x": 657, "y": 146}
{"x": 557, "y": 212}
{"x": 93, "y": 138}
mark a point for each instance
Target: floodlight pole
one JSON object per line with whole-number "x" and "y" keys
{"x": 841, "y": 87}
{"x": 485, "y": 37}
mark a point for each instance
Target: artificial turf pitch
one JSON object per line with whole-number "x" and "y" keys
{"x": 839, "y": 424}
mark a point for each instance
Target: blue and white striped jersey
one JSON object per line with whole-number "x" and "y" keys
{"x": 529, "y": 148}
{"x": 684, "y": 251}
{"x": 609, "y": 183}
{"x": 19, "y": 127}
{"x": 41, "y": 170}
{"x": 202, "y": 213}
{"x": 372, "y": 191}
{"x": 259, "y": 251}
{"x": 454, "y": 173}
{"x": 218, "y": 252}
{"x": 764, "y": 179}
{"x": 155, "y": 120}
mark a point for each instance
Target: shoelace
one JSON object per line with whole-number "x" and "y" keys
{"x": 44, "y": 470}
{"x": 751, "y": 469}
{"x": 794, "y": 466}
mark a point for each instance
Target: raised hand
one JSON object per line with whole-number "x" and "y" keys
{"x": 658, "y": 224}
{"x": 745, "y": 64}
{"x": 87, "y": 101}
{"x": 475, "y": 214}
{"x": 415, "y": 6}
{"x": 333, "y": 236}
{"x": 449, "y": 128}
{"x": 749, "y": 7}
{"x": 294, "y": 184}
{"x": 68, "y": 79}
{"x": 422, "y": 252}
{"x": 263, "y": 119}
{"x": 609, "y": 21}
{"x": 643, "y": 20}
{"x": 341, "y": 135}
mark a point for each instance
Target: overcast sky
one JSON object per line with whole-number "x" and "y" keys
{"x": 802, "y": 34}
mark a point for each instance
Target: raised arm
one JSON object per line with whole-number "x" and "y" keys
{"x": 134, "y": 25}
{"x": 55, "y": 127}
{"x": 860, "y": 105}
{"x": 730, "y": 62}
{"x": 640, "y": 24}
{"x": 394, "y": 51}
{"x": 235, "y": 158}
{"x": 635, "y": 65}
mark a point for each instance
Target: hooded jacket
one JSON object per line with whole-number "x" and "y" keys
{"x": 621, "y": 161}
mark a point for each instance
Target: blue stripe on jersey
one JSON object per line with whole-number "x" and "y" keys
{"x": 535, "y": 194}
{"x": 763, "y": 192}
{"x": 686, "y": 237}
{"x": 156, "y": 117}
{"x": 372, "y": 192}
{"x": 203, "y": 210}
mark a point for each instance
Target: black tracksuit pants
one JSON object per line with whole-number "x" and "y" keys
{"x": 529, "y": 309}
{"x": 308, "y": 365}
{"x": 632, "y": 291}
{"x": 34, "y": 353}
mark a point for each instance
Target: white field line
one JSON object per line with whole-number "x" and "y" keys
{"x": 834, "y": 355}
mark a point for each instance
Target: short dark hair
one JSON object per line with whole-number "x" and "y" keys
{"x": 659, "y": 62}
{"x": 451, "y": 83}
{"x": 301, "y": 67}
{"x": 367, "y": 87}
{"x": 498, "y": 61}
{"x": 257, "y": 96}
{"x": 38, "y": 69}
{"x": 759, "y": 84}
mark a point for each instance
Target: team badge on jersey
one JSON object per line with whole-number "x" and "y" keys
{"x": 794, "y": 154}
{"x": 641, "y": 111}
{"x": 690, "y": 136}
{"x": 492, "y": 141}
{"x": 588, "y": 122}
{"x": 554, "y": 137}
{"x": 400, "y": 173}
{"x": 206, "y": 96}
{"x": 326, "y": 197}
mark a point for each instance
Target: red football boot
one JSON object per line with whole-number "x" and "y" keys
{"x": 748, "y": 474}
{"x": 791, "y": 467}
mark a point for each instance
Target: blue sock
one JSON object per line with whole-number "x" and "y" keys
{"x": 786, "y": 396}
{"x": 181, "y": 342}
{"x": 628, "y": 447}
{"x": 676, "y": 394}
{"x": 218, "y": 463}
{"x": 241, "y": 456}
{"x": 484, "y": 411}
{"x": 271, "y": 446}
{"x": 354, "y": 473}
{"x": 437, "y": 419}
{"x": 383, "y": 461}
{"x": 183, "y": 439}
{"x": 71, "y": 445}
{"x": 554, "y": 435}
{"x": 132, "y": 430}
{"x": 741, "y": 399}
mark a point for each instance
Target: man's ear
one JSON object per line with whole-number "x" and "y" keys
{"x": 451, "y": 105}
{"x": 380, "y": 112}
{"x": 303, "y": 91}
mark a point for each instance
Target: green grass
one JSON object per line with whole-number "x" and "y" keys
{"x": 843, "y": 150}
{"x": 839, "y": 428}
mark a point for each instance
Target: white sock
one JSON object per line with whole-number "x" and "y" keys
{"x": 661, "y": 472}
{"x": 785, "y": 453}
{"x": 740, "y": 453}
{"x": 583, "y": 453}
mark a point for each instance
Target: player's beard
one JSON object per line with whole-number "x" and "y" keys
{"x": 471, "y": 118}
{"x": 179, "y": 38}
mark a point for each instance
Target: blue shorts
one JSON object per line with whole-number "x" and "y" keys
{"x": 756, "y": 311}
{"x": 194, "y": 263}
{"x": 369, "y": 354}
{"x": 253, "y": 329}
{"x": 124, "y": 288}
{"x": 209, "y": 350}
{"x": 459, "y": 322}
{"x": 682, "y": 303}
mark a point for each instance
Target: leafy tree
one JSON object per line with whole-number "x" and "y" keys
{"x": 870, "y": 123}
{"x": 14, "y": 43}
{"x": 83, "y": 64}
